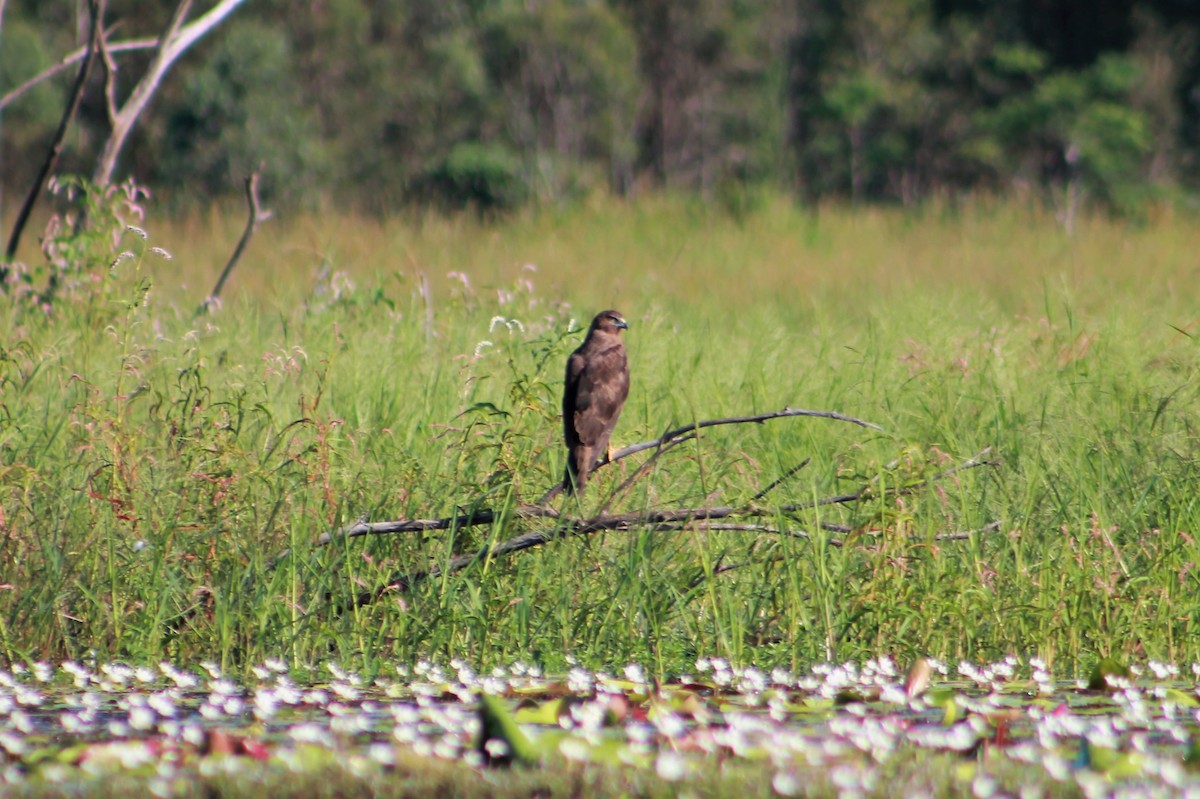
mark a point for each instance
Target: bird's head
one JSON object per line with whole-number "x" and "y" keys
{"x": 610, "y": 322}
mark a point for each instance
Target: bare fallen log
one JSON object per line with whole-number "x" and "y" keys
{"x": 539, "y": 510}
{"x": 565, "y": 526}
{"x": 668, "y": 519}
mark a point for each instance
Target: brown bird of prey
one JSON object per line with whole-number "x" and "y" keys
{"x": 596, "y": 387}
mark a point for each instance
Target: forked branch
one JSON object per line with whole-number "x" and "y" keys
{"x": 753, "y": 514}
{"x": 175, "y": 40}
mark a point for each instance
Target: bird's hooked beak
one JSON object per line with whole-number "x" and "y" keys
{"x": 622, "y": 324}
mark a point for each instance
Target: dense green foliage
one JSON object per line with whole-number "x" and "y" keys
{"x": 495, "y": 102}
{"x": 152, "y": 464}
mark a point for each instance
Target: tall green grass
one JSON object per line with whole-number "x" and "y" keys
{"x": 153, "y": 463}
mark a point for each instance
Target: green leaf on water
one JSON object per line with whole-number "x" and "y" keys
{"x": 1112, "y": 763}
{"x": 1106, "y": 668}
{"x": 496, "y": 723}
{"x": 1181, "y": 698}
{"x": 545, "y": 713}
{"x": 946, "y": 699}
{"x": 1192, "y": 758}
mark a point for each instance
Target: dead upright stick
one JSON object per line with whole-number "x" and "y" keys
{"x": 254, "y": 218}
{"x": 96, "y": 9}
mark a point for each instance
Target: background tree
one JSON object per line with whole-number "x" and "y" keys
{"x": 492, "y": 103}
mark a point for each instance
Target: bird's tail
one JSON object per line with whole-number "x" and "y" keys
{"x": 572, "y": 482}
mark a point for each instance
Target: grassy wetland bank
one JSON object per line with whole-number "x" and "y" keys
{"x": 1028, "y": 508}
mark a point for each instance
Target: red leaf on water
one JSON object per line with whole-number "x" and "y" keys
{"x": 255, "y": 749}
{"x": 220, "y": 742}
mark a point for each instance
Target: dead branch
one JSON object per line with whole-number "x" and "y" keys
{"x": 973, "y": 462}
{"x": 74, "y": 58}
{"x": 110, "y": 81}
{"x": 528, "y": 512}
{"x": 763, "y": 417}
{"x": 659, "y": 520}
{"x": 678, "y": 433}
{"x": 96, "y": 9}
{"x": 637, "y": 473}
{"x": 539, "y": 509}
{"x": 656, "y": 519}
{"x": 362, "y": 527}
{"x": 255, "y": 216}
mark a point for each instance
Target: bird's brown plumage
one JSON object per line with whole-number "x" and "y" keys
{"x": 596, "y": 387}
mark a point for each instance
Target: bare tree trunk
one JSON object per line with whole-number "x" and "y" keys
{"x": 174, "y": 42}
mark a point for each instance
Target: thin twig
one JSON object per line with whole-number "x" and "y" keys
{"x": 254, "y": 217}
{"x": 987, "y": 528}
{"x": 973, "y": 462}
{"x": 637, "y": 473}
{"x": 759, "y": 418}
{"x": 780, "y": 479}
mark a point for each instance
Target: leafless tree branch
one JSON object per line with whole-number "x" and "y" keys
{"x": 96, "y": 9}
{"x": 110, "y": 81}
{"x": 790, "y": 472}
{"x": 71, "y": 58}
{"x": 974, "y": 462}
{"x": 362, "y": 527}
{"x": 759, "y": 418}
